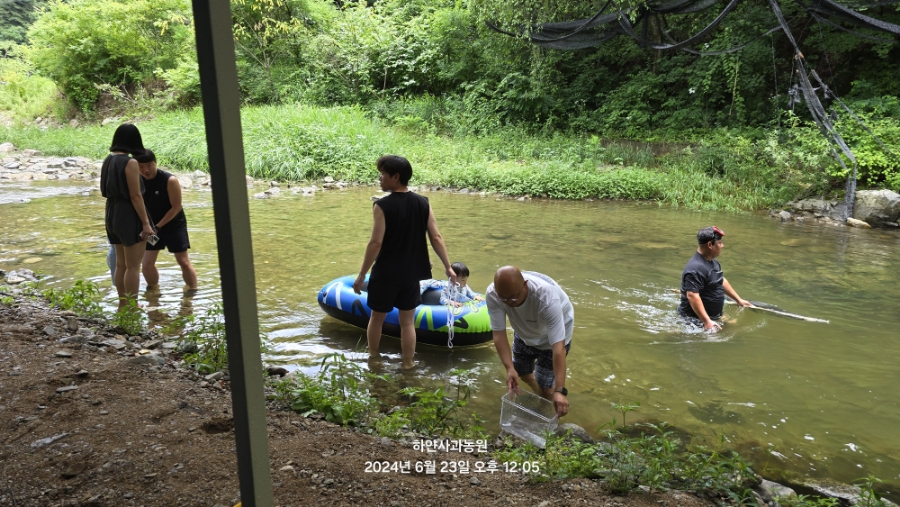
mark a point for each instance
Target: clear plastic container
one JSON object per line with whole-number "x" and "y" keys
{"x": 528, "y": 416}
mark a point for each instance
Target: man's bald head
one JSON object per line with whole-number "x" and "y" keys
{"x": 508, "y": 280}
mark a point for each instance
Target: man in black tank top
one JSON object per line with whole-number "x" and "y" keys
{"x": 162, "y": 196}
{"x": 400, "y": 255}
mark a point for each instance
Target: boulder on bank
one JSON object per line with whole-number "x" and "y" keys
{"x": 819, "y": 208}
{"x": 878, "y": 208}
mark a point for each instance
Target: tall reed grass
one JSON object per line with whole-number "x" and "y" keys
{"x": 300, "y": 142}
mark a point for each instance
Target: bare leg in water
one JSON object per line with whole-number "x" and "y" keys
{"x": 408, "y": 339}
{"x": 407, "y": 336}
{"x": 373, "y": 334}
{"x": 128, "y": 271}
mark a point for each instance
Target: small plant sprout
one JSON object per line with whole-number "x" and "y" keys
{"x": 625, "y": 408}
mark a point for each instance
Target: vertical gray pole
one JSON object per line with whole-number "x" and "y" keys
{"x": 222, "y": 115}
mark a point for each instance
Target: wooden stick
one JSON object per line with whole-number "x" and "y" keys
{"x": 786, "y": 314}
{"x": 773, "y": 310}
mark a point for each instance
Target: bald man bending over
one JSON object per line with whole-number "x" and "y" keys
{"x": 542, "y": 319}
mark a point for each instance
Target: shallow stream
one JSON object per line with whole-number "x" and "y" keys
{"x": 819, "y": 400}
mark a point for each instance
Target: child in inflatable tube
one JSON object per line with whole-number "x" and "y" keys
{"x": 464, "y": 293}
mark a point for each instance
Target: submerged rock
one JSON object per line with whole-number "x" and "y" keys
{"x": 852, "y": 222}
{"x": 574, "y": 431}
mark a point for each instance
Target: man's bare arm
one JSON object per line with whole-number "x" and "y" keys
{"x": 437, "y": 243}
{"x": 697, "y": 304}
{"x": 372, "y": 248}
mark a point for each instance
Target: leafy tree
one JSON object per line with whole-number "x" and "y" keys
{"x": 85, "y": 45}
{"x": 15, "y": 18}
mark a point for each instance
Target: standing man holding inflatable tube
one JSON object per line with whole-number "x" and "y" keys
{"x": 400, "y": 255}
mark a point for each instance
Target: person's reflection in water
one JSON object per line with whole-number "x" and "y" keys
{"x": 154, "y": 312}
{"x": 160, "y": 319}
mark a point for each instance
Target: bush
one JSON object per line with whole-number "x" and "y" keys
{"x": 435, "y": 412}
{"x": 130, "y": 318}
{"x": 81, "y": 298}
{"x": 23, "y": 94}
{"x": 108, "y": 42}
{"x": 337, "y": 392}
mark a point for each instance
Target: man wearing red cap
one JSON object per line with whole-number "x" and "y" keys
{"x": 703, "y": 285}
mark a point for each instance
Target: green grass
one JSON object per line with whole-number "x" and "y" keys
{"x": 299, "y": 142}
{"x": 23, "y": 95}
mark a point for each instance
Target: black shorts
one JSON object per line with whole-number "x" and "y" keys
{"x": 385, "y": 296}
{"x": 527, "y": 359}
{"x": 175, "y": 240}
{"x": 693, "y": 320}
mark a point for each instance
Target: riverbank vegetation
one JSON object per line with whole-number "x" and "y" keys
{"x": 640, "y": 456}
{"x": 328, "y": 86}
{"x": 300, "y": 142}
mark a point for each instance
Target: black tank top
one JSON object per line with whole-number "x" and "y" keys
{"x": 156, "y": 197}
{"x": 404, "y": 250}
{"x": 113, "y": 183}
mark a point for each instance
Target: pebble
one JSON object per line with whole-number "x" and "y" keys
{"x": 104, "y": 412}
{"x": 63, "y": 353}
{"x": 82, "y": 373}
{"x": 215, "y": 376}
{"x": 47, "y": 441}
{"x": 66, "y": 389}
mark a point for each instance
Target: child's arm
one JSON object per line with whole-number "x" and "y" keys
{"x": 471, "y": 294}
{"x": 445, "y": 297}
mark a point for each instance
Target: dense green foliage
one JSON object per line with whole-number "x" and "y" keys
{"x": 15, "y": 19}
{"x": 91, "y": 46}
{"x": 723, "y": 171}
{"x": 23, "y": 94}
{"x": 343, "y": 82}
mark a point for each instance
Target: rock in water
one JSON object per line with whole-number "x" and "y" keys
{"x": 576, "y": 432}
{"x": 852, "y": 222}
{"x": 769, "y": 490}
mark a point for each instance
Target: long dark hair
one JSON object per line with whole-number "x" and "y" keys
{"x": 128, "y": 139}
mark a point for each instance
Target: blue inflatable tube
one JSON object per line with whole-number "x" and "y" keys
{"x": 471, "y": 323}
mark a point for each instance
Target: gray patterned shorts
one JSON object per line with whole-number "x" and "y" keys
{"x": 527, "y": 360}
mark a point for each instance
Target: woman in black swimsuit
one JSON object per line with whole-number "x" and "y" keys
{"x": 127, "y": 224}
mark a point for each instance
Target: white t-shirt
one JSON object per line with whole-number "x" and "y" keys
{"x": 546, "y": 317}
